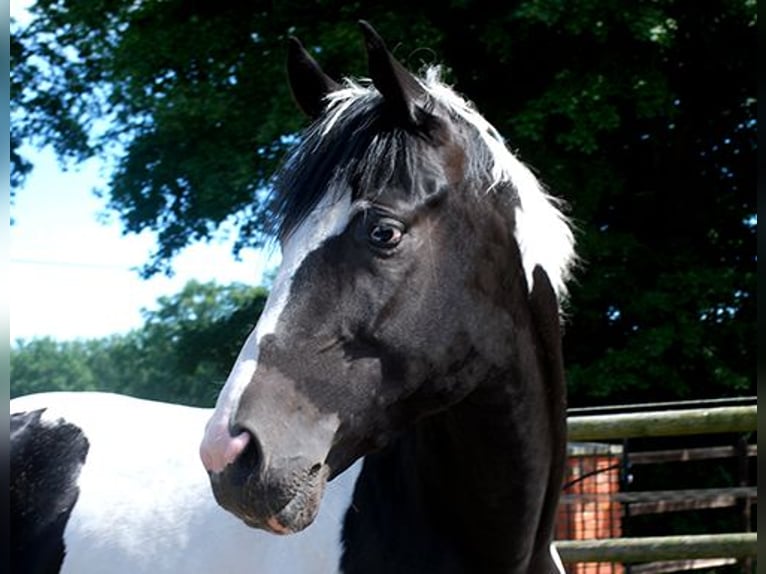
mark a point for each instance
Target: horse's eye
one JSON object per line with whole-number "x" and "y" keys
{"x": 385, "y": 234}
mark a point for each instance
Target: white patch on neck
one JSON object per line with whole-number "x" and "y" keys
{"x": 328, "y": 219}
{"x": 542, "y": 232}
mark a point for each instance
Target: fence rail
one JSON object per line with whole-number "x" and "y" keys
{"x": 667, "y": 495}
{"x": 689, "y": 454}
{"x": 654, "y": 548}
{"x": 663, "y": 423}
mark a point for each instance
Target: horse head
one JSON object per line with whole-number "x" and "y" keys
{"x": 410, "y": 236}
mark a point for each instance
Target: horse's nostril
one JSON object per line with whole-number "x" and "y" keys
{"x": 249, "y": 460}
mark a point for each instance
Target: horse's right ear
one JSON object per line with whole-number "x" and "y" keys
{"x": 308, "y": 83}
{"x": 401, "y": 91}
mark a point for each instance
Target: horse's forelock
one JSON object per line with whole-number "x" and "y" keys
{"x": 350, "y": 149}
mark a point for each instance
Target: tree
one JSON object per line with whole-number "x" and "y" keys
{"x": 191, "y": 341}
{"x": 642, "y": 115}
{"x": 182, "y": 354}
{"x": 45, "y": 365}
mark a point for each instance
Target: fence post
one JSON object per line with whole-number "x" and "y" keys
{"x": 740, "y": 448}
{"x": 627, "y": 478}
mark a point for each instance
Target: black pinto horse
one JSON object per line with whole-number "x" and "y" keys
{"x": 400, "y": 406}
{"x": 414, "y": 323}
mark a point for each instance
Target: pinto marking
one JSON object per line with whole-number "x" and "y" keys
{"x": 406, "y": 376}
{"x": 145, "y": 505}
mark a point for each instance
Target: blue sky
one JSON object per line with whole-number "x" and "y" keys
{"x": 73, "y": 276}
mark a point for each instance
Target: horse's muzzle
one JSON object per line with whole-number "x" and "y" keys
{"x": 268, "y": 462}
{"x": 283, "y": 497}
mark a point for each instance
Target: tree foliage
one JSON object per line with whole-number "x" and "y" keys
{"x": 640, "y": 114}
{"x": 182, "y": 354}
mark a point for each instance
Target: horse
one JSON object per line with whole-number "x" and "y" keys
{"x": 399, "y": 406}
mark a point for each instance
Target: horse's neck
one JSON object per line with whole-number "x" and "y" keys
{"x": 468, "y": 490}
{"x": 487, "y": 463}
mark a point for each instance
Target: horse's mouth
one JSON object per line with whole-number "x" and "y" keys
{"x": 296, "y": 515}
{"x": 280, "y": 507}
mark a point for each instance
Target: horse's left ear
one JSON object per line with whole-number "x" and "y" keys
{"x": 308, "y": 83}
{"x": 403, "y": 93}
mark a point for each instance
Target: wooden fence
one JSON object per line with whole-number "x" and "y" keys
{"x": 668, "y": 553}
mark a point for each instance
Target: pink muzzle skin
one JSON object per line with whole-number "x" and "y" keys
{"x": 219, "y": 449}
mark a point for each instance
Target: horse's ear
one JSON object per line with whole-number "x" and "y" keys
{"x": 308, "y": 83}
{"x": 402, "y": 92}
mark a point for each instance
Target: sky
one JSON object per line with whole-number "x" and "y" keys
{"x": 74, "y": 276}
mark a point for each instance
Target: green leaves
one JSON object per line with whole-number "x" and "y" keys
{"x": 641, "y": 115}
{"x": 182, "y": 354}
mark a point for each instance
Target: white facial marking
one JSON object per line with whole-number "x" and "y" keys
{"x": 328, "y": 219}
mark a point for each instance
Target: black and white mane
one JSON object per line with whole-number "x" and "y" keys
{"x": 344, "y": 145}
